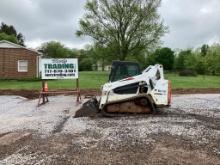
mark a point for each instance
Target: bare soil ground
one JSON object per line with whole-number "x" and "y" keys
{"x": 186, "y": 133}
{"x": 32, "y": 94}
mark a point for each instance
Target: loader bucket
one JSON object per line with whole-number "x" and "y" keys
{"x": 88, "y": 109}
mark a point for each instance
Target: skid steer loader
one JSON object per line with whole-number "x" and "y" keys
{"x": 129, "y": 90}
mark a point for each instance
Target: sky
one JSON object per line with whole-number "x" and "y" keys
{"x": 191, "y": 22}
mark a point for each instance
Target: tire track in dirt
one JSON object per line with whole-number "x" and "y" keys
{"x": 59, "y": 127}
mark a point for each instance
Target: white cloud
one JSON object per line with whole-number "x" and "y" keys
{"x": 191, "y": 23}
{"x": 206, "y": 10}
{"x": 214, "y": 40}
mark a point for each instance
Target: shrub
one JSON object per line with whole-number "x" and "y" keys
{"x": 188, "y": 72}
{"x": 85, "y": 64}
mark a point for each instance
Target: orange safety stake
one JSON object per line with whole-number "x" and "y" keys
{"x": 45, "y": 87}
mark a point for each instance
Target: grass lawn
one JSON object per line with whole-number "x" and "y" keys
{"x": 88, "y": 80}
{"x": 193, "y": 82}
{"x": 94, "y": 80}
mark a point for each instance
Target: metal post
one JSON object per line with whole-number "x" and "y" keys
{"x": 77, "y": 88}
{"x": 43, "y": 85}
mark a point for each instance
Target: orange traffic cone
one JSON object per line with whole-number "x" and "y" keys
{"x": 45, "y": 87}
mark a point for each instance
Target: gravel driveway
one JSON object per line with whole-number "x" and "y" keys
{"x": 186, "y": 133}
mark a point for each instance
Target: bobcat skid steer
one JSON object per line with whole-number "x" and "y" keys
{"x": 131, "y": 91}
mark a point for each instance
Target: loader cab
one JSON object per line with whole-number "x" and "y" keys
{"x": 123, "y": 69}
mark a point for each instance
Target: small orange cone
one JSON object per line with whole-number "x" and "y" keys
{"x": 45, "y": 87}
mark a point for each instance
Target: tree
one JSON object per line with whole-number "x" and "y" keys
{"x": 127, "y": 27}
{"x": 204, "y": 49}
{"x": 10, "y": 31}
{"x": 84, "y": 57}
{"x": 190, "y": 61}
{"x": 180, "y": 60}
{"x": 201, "y": 66}
{"x": 55, "y": 49}
{"x": 101, "y": 55}
{"x": 165, "y": 56}
{"x": 213, "y": 59}
{"x": 11, "y": 38}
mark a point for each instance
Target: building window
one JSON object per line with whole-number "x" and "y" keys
{"x": 22, "y": 65}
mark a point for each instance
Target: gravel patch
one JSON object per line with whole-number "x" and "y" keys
{"x": 17, "y": 113}
{"x": 186, "y": 133}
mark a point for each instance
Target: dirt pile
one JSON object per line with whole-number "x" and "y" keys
{"x": 88, "y": 109}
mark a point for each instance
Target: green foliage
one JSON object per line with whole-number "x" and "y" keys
{"x": 55, "y": 49}
{"x": 99, "y": 52}
{"x": 150, "y": 59}
{"x": 141, "y": 59}
{"x": 213, "y": 59}
{"x": 85, "y": 64}
{"x": 164, "y": 56}
{"x": 85, "y": 59}
{"x": 101, "y": 55}
{"x": 11, "y": 38}
{"x": 180, "y": 59}
{"x": 124, "y": 27}
{"x": 186, "y": 63}
{"x": 10, "y": 31}
{"x": 201, "y": 66}
{"x": 204, "y": 49}
{"x": 190, "y": 61}
{"x": 207, "y": 61}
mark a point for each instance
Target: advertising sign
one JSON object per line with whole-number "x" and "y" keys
{"x": 59, "y": 68}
